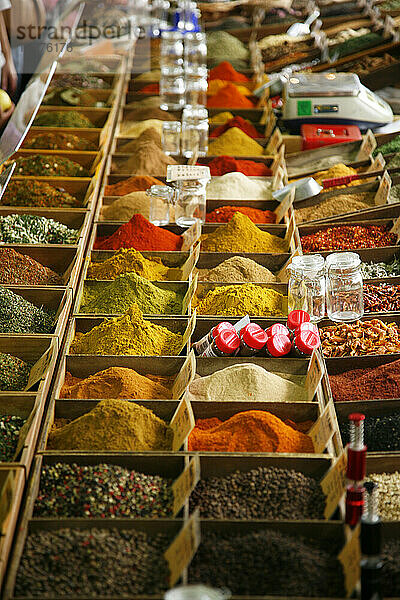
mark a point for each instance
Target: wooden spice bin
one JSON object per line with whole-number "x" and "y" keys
{"x": 92, "y": 135}
{"x": 106, "y": 96}
{"x": 98, "y": 116}
{"x": 299, "y": 164}
{"x": 79, "y": 187}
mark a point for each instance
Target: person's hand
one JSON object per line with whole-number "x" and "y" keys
{"x": 5, "y": 115}
{"x": 9, "y": 77}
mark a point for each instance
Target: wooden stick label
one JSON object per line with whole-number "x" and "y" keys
{"x": 333, "y": 484}
{"x": 23, "y": 434}
{"x": 382, "y": 194}
{"x": 183, "y": 548}
{"x": 350, "y": 558}
{"x": 184, "y": 485}
{"x": 270, "y": 126}
{"x": 7, "y": 490}
{"x": 314, "y": 375}
{"x": 283, "y": 274}
{"x": 189, "y": 329}
{"x": 182, "y": 423}
{"x": 277, "y": 181}
{"x": 322, "y": 431}
{"x": 275, "y": 142}
{"x": 396, "y": 228}
{"x": 191, "y": 262}
{"x": 40, "y": 368}
{"x": 290, "y": 231}
{"x": 378, "y": 164}
{"x": 279, "y": 160}
{"x": 367, "y": 147}
{"x": 283, "y": 207}
{"x": 189, "y": 294}
{"x": 184, "y": 377}
{"x": 266, "y": 114}
{"x": 191, "y": 236}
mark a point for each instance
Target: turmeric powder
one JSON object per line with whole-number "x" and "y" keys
{"x": 243, "y": 299}
{"x": 236, "y": 143}
{"x": 128, "y": 260}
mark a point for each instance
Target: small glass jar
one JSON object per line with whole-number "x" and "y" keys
{"x": 171, "y": 138}
{"x": 171, "y": 51}
{"x": 161, "y": 198}
{"x": 195, "y": 91}
{"x": 172, "y": 89}
{"x": 306, "y": 290}
{"x": 344, "y": 287}
{"x": 195, "y": 51}
{"x": 194, "y": 132}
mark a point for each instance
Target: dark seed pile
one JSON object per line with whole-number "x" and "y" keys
{"x": 262, "y": 493}
{"x": 10, "y": 427}
{"x": 391, "y": 568}
{"x": 31, "y": 229}
{"x": 17, "y": 315}
{"x": 14, "y": 373}
{"x": 21, "y": 269}
{"x": 381, "y": 434}
{"x": 267, "y": 562}
{"x": 91, "y": 563}
{"x": 49, "y": 166}
{"x": 105, "y": 490}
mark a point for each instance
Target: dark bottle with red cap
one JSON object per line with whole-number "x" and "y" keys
{"x": 277, "y": 346}
{"x": 252, "y": 340}
{"x": 277, "y": 328}
{"x": 304, "y": 344}
{"x": 306, "y": 326}
{"x": 295, "y": 319}
{"x": 202, "y": 345}
{"x": 225, "y": 344}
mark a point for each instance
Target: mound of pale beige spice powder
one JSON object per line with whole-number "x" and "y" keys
{"x": 337, "y": 205}
{"x": 237, "y": 269}
{"x": 126, "y": 206}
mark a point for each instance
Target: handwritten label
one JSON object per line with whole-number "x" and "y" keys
{"x": 189, "y": 294}
{"x": 333, "y": 484}
{"x": 283, "y": 274}
{"x": 182, "y": 423}
{"x": 191, "y": 236}
{"x": 190, "y": 263}
{"x": 39, "y": 369}
{"x": 184, "y": 377}
{"x": 189, "y": 329}
{"x": 186, "y": 172}
{"x": 396, "y": 228}
{"x": 314, "y": 375}
{"x": 184, "y": 485}
{"x": 322, "y": 431}
{"x": 367, "y": 147}
{"x": 281, "y": 210}
{"x": 382, "y": 194}
{"x": 350, "y": 557}
{"x": 378, "y": 164}
{"x": 275, "y": 142}
{"x": 183, "y": 548}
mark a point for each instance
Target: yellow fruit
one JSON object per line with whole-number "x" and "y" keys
{"x": 5, "y": 101}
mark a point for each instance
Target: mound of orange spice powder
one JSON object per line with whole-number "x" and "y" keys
{"x": 225, "y": 214}
{"x": 250, "y": 431}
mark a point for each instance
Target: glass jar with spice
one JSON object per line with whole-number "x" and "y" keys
{"x": 306, "y": 289}
{"x": 344, "y": 287}
{"x": 194, "y": 131}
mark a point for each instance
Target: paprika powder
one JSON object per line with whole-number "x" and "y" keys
{"x": 229, "y": 97}
{"x": 226, "y": 72}
{"x": 140, "y": 234}
{"x": 137, "y": 183}
{"x": 239, "y": 122}
{"x": 228, "y": 164}
{"x": 359, "y": 385}
{"x": 152, "y": 88}
{"x": 225, "y": 213}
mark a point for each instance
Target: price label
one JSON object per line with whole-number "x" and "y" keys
{"x": 350, "y": 558}
{"x": 184, "y": 377}
{"x": 277, "y": 181}
{"x": 184, "y": 485}
{"x": 274, "y": 143}
{"x": 186, "y": 172}
{"x": 183, "y": 548}
{"x": 189, "y": 294}
{"x": 396, "y": 228}
{"x": 189, "y": 329}
{"x": 283, "y": 274}
{"x": 279, "y": 160}
{"x": 283, "y": 207}
{"x": 314, "y": 374}
{"x": 322, "y": 431}
{"x": 367, "y": 147}
{"x": 333, "y": 484}
{"x": 40, "y": 368}
{"x": 182, "y": 423}
{"x": 382, "y": 194}
{"x": 191, "y": 236}
{"x": 189, "y": 264}
{"x": 378, "y": 164}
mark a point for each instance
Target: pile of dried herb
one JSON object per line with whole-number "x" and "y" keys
{"x": 59, "y": 118}
{"x": 381, "y": 269}
{"x": 17, "y": 315}
{"x": 70, "y": 97}
{"x": 80, "y": 80}
{"x": 21, "y": 269}
{"x": 49, "y": 166}
{"x": 37, "y": 193}
{"x": 31, "y": 229}
{"x": 10, "y": 427}
{"x": 14, "y": 373}
{"x": 389, "y": 147}
{"x": 59, "y": 141}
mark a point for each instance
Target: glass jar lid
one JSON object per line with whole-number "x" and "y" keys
{"x": 343, "y": 260}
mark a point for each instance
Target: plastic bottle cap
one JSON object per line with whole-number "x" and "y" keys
{"x": 223, "y": 326}
{"x": 253, "y": 336}
{"x": 307, "y": 341}
{"x": 296, "y": 317}
{"x": 227, "y": 341}
{"x": 279, "y": 345}
{"x": 277, "y": 328}
{"x": 307, "y": 326}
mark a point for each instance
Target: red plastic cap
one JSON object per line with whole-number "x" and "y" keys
{"x": 279, "y": 345}
{"x": 296, "y": 318}
{"x": 307, "y": 341}
{"x": 307, "y": 326}
{"x": 277, "y": 328}
{"x": 227, "y": 341}
{"x": 253, "y": 336}
{"x": 356, "y": 417}
{"x": 224, "y": 325}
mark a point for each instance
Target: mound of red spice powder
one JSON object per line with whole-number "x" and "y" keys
{"x": 227, "y": 164}
{"x": 239, "y": 122}
{"x": 358, "y": 385}
{"x": 225, "y": 214}
{"x": 226, "y": 72}
{"x": 140, "y": 234}
{"x": 346, "y": 237}
{"x": 229, "y": 97}
{"x": 151, "y": 88}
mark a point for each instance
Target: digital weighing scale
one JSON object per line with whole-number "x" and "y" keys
{"x": 330, "y": 98}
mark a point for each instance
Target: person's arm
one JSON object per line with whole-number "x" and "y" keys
{"x": 9, "y": 76}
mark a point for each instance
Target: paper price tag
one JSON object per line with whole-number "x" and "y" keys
{"x": 274, "y": 143}
{"x": 182, "y": 273}
{"x": 290, "y": 231}
{"x": 314, "y": 374}
{"x": 182, "y": 423}
{"x": 191, "y": 236}
{"x": 40, "y": 368}
{"x": 183, "y": 548}
{"x": 277, "y": 181}
{"x": 378, "y": 164}
{"x": 382, "y": 194}
{"x": 185, "y": 172}
{"x": 189, "y": 294}
{"x": 367, "y": 147}
{"x": 283, "y": 274}
{"x": 284, "y": 206}
{"x": 350, "y": 558}
{"x": 189, "y": 329}
{"x": 183, "y": 486}
{"x": 184, "y": 377}
{"x": 333, "y": 485}
{"x": 396, "y": 228}
{"x": 322, "y": 431}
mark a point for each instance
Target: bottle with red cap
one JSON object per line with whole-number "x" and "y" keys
{"x": 295, "y": 319}
{"x": 277, "y": 328}
{"x": 202, "y": 345}
{"x": 306, "y": 326}
{"x": 252, "y": 340}
{"x": 278, "y": 346}
{"x": 225, "y": 344}
{"x": 304, "y": 344}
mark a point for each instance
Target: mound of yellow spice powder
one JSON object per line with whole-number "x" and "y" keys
{"x": 129, "y": 334}
{"x": 128, "y": 261}
{"x": 234, "y": 142}
{"x": 238, "y": 300}
{"x": 242, "y": 235}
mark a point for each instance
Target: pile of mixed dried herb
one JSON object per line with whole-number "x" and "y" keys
{"x": 71, "y": 97}
{"x": 17, "y": 315}
{"x": 381, "y": 269}
{"x": 37, "y": 193}
{"x": 59, "y": 141}
{"x": 80, "y": 80}
{"x": 49, "y": 166}
{"x": 59, "y": 118}
{"x": 10, "y": 427}
{"x": 21, "y": 269}
{"x": 14, "y": 373}
{"x": 389, "y": 147}
{"x": 31, "y": 229}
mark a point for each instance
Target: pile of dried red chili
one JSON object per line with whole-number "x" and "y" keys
{"x": 346, "y": 237}
{"x": 227, "y": 164}
{"x": 140, "y": 234}
{"x": 225, "y": 214}
{"x": 381, "y": 297}
{"x": 240, "y": 123}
